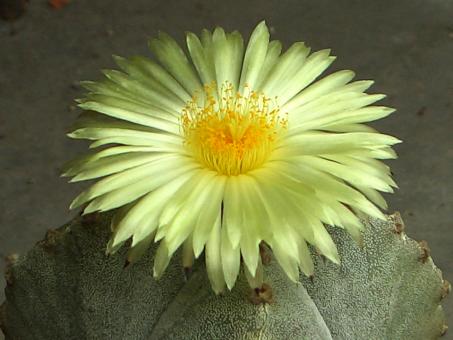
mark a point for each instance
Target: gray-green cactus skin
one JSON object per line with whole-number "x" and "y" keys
{"x": 67, "y": 288}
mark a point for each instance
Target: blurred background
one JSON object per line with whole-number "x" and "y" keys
{"x": 46, "y": 47}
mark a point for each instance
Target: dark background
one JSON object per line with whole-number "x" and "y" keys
{"x": 405, "y": 45}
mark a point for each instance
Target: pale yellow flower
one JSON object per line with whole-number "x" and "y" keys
{"x": 226, "y": 148}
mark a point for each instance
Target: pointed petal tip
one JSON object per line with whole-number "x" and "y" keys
{"x": 91, "y": 208}
{"x": 84, "y": 105}
{"x": 390, "y": 110}
{"x": 117, "y": 57}
{"x": 382, "y": 217}
{"x": 218, "y": 290}
{"x": 293, "y": 275}
{"x": 159, "y": 235}
{"x": 310, "y": 274}
{"x": 261, "y": 28}
{"x": 76, "y": 178}
{"x": 164, "y": 36}
{"x": 230, "y": 286}
{"x": 197, "y": 250}
{"x": 75, "y": 204}
{"x": 156, "y": 275}
{"x": 190, "y": 35}
{"x": 230, "y": 282}
{"x": 87, "y": 211}
{"x": 335, "y": 259}
{"x": 379, "y": 96}
{"x": 218, "y": 30}
{"x": 84, "y": 83}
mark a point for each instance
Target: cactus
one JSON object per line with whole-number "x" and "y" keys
{"x": 67, "y": 288}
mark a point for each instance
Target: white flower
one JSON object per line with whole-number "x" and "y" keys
{"x": 231, "y": 148}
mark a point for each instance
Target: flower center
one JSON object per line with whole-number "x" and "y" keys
{"x": 233, "y": 134}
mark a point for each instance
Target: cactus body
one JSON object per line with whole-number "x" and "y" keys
{"x": 67, "y": 288}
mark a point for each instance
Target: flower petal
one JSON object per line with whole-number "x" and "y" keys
{"x": 232, "y": 212}
{"x": 140, "y": 91}
{"x": 320, "y": 88}
{"x": 161, "y": 260}
{"x": 254, "y": 56}
{"x": 185, "y": 220}
{"x": 272, "y": 56}
{"x": 312, "y": 67}
{"x": 305, "y": 261}
{"x": 330, "y": 105}
{"x": 321, "y": 143}
{"x": 131, "y": 112}
{"x": 256, "y": 280}
{"x": 208, "y": 214}
{"x": 73, "y": 167}
{"x": 201, "y": 55}
{"x": 114, "y": 190}
{"x": 284, "y": 69}
{"x": 323, "y": 241}
{"x": 288, "y": 263}
{"x": 113, "y": 164}
{"x": 137, "y": 251}
{"x": 173, "y": 58}
{"x": 188, "y": 256}
{"x": 251, "y": 235}
{"x": 333, "y": 186}
{"x": 347, "y": 117}
{"x": 140, "y": 67}
{"x": 231, "y": 259}
{"x": 352, "y": 175}
{"x": 213, "y": 257}
{"x": 142, "y": 218}
{"x": 228, "y": 52}
{"x": 122, "y": 135}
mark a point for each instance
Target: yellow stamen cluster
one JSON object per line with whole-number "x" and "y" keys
{"x": 231, "y": 132}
